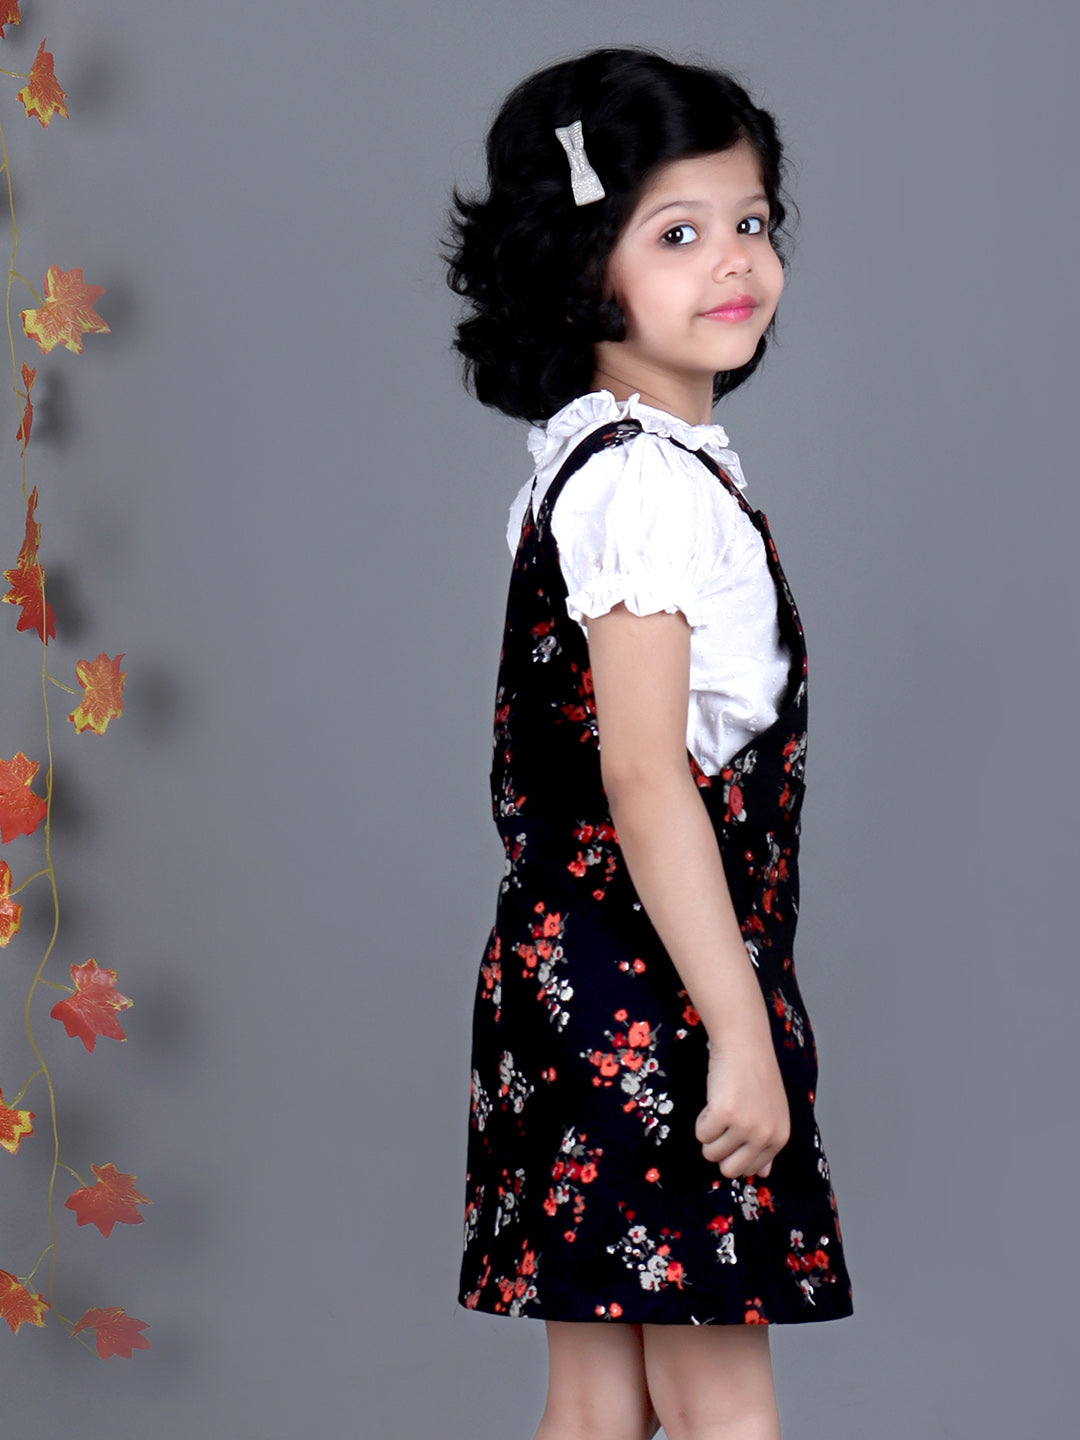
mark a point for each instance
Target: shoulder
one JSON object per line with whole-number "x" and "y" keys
{"x": 647, "y": 479}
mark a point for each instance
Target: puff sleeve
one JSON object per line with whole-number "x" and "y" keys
{"x": 643, "y": 523}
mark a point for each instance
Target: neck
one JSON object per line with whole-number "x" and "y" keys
{"x": 688, "y": 397}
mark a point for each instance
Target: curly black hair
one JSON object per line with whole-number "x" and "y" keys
{"x": 529, "y": 260}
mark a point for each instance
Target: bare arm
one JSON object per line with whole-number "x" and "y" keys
{"x": 641, "y": 679}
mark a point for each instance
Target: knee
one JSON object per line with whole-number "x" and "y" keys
{"x": 585, "y": 1417}
{"x": 683, "y": 1420}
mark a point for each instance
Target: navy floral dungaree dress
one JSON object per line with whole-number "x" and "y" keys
{"x": 587, "y": 1195}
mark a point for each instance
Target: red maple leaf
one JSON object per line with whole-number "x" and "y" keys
{"x": 19, "y": 1306}
{"x": 68, "y": 312}
{"x": 28, "y": 591}
{"x": 29, "y": 375}
{"x": 117, "y": 1332}
{"x": 10, "y": 913}
{"x": 21, "y": 811}
{"x": 14, "y": 1124}
{"x": 32, "y": 532}
{"x": 91, "y": 1011}
{"x": 111, "y": 1200}
{"x": 41, "y": 95}
{"x": 9, "y": 14}
{"x": 28, "y": 581}
{"x": 103, "y": 681}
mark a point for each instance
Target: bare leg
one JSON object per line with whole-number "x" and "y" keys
{"x": 596, "y": 1384}
{"x": 711, "y": 1382}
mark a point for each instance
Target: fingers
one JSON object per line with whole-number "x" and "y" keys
{"x": 741, "y": 1153}
{"x": 748, "y": 1161}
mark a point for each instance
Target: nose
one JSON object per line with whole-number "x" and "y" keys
{"x": 733, "y": 258}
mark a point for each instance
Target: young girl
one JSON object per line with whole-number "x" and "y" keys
{"x": 645, "y": 1172}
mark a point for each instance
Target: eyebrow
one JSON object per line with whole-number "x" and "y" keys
{"x": 700, "y": 205}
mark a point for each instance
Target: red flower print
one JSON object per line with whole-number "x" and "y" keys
{"x": 639, "y": 1033}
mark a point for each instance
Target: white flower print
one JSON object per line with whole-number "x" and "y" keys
{"x": 513, "y": 1086}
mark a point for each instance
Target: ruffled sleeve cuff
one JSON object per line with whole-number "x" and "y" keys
{"x": 641, "y": 595}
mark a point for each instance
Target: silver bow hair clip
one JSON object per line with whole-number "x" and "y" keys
{"x": 583, "y": 178}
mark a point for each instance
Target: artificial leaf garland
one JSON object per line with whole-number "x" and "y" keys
{"x": 63, "y": 314}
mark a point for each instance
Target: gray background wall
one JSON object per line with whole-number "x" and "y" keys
{"x": 269, "y": 490}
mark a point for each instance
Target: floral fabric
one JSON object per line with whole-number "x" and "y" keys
{"x": 587, "y": 1196}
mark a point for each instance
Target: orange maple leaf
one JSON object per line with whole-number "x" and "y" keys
{"x": 27, "y": 581}
{"x": 21, "y": 811}
{"x": 103, "y": 681}
{"x": 41, "y": 95}
{"x": 117, "y": 1332}
{"x": 111, "y": 1200}
{"x": 19, "y": 1306}
{"x": 10, "y": 913}
{"x": 68, "y": 312}
{"x": 14, "y": 1124}
{"x": 29, "y": 375}
{"x": 9, "y": 14}
{"x": 91, "y": 1011}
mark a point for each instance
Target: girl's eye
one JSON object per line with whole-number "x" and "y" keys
{"x": 752, "y": 220}
{"x": 681, "y": 231}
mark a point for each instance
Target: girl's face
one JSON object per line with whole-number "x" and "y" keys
{"x": 697, "y": 279}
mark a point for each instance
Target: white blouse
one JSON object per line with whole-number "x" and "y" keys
{"x": 648, "y": 524}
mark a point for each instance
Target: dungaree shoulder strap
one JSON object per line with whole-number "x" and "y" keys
{"x": 612, "y": 432}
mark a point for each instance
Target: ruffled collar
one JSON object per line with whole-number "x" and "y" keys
{"x": 550, "y": 442}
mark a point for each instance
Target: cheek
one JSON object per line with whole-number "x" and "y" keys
{"x": 775, "y": 276}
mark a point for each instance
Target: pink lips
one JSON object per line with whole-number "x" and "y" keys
{"x": 740, "y": 307}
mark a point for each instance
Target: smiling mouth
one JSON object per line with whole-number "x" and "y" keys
{"x": 740, "y": 308}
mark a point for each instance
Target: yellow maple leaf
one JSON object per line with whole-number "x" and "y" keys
{"x": 9, "y": 14}
{"x": 68, "y": 312}
{"x": 14, "y": 1124}
{"x": 10, "y": 912}
{"x": 103, "y": 681}
{"x": 18, "y": 1305}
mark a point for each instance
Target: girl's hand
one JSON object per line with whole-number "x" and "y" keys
{"x": 745, "y": 1123}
